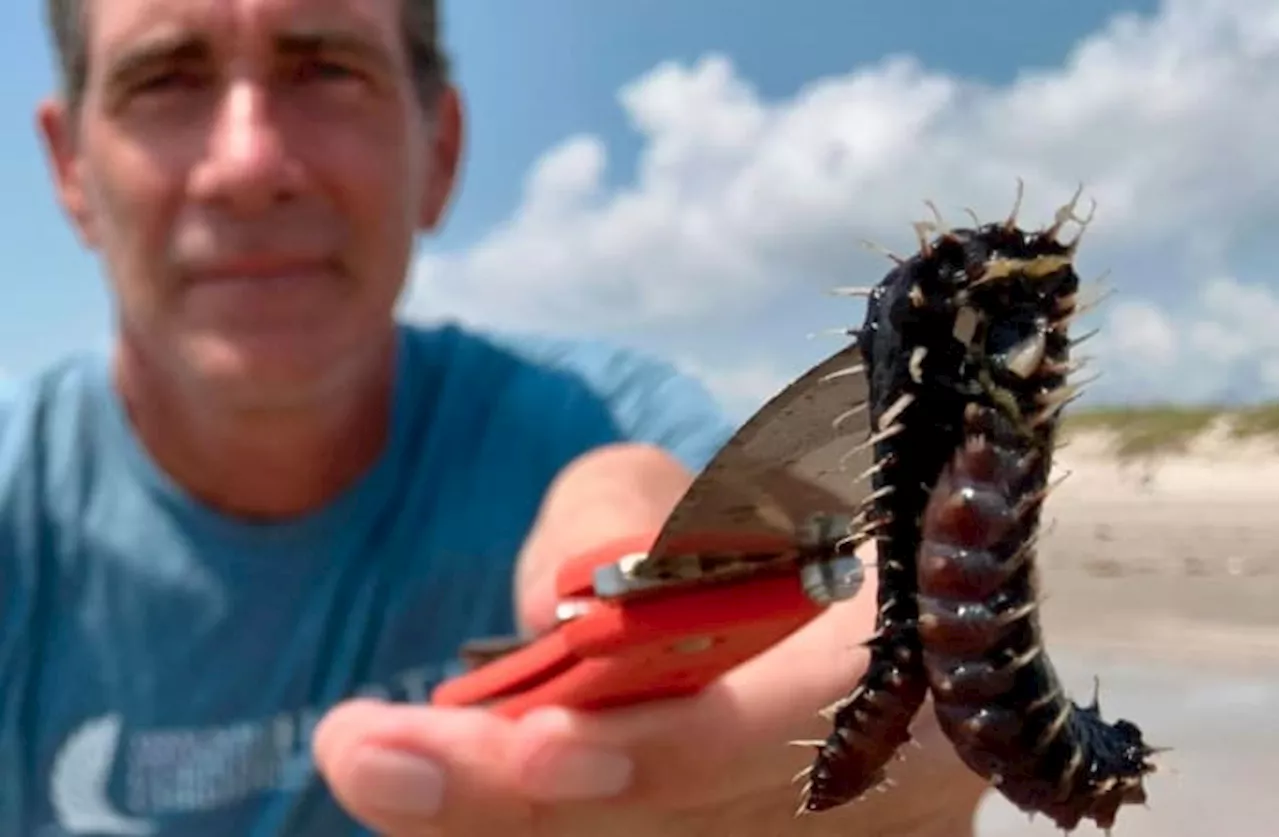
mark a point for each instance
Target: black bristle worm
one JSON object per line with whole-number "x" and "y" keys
{"x": 966, "y": 350}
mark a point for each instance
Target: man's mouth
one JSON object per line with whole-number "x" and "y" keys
{"x": 264, "y": 270}
{"x": 264, "y": 294}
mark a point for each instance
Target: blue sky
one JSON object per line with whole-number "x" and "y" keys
{"x": 586, "y": 50}
{"x": 604, "y": 99}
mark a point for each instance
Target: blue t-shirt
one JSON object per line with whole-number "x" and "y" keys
{"x": 162, "y": 666}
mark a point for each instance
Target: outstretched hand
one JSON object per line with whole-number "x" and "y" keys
{"x": 716, "y": 762}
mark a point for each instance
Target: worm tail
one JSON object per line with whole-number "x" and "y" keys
{"x": 873, "y": 722}
{"x": 996, "y": 694}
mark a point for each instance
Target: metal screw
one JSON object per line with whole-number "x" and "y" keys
{"x": 833, "y": 580}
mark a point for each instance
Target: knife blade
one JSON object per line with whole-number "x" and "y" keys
{"x": 788, "y": 476}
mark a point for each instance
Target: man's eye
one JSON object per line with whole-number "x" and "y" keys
{"x": 322, "y": 70}
{"x": 167, "y": 80}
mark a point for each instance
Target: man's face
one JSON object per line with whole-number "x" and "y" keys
{"x": 253, "y": 173}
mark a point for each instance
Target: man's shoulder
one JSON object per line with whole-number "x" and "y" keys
{"x": 44, "y": 405}
{"x": 639, "y": 395}
{"x": 47, "y": 432}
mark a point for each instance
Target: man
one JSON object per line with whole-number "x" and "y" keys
{"x": 275, "y": 513}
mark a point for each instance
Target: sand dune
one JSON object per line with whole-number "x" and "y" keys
{"x": 1176, "y": 552}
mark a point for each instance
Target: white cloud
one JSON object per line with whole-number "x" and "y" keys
{"x": 1142, "y": 335}
{"x": 743, "y": 210}
{"x": 1224, "y": 346}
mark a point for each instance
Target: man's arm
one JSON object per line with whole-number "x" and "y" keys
{"x": 713, "y": 763}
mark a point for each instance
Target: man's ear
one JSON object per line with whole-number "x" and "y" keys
{"x": 444, "y": 158}
{"x": 56, "y": 125}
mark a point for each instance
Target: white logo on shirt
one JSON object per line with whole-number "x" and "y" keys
{"x": 78, "y": 782}
{"x": 190, "y": 770}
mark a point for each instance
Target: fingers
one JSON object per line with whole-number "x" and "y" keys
{"x": 390, "y": 767}
{"x": 422, "y": 771}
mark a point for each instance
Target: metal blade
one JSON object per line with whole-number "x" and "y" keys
{"x": 788, "y": 464}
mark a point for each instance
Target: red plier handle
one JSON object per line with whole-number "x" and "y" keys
{"x": 669, "y": 642}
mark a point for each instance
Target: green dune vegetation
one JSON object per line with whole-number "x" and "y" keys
{"x": 1151, "y": 430}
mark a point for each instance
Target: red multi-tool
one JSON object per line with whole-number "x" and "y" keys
{"x": 761, "y": 543}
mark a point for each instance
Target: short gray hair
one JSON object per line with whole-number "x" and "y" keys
{"x": 419, "y": 25}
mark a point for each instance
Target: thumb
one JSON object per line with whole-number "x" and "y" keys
{"x": 615, "y": 492}
{"x": 406, "y": 769}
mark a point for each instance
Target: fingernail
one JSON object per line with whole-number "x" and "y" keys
{"x": 577, "y": 771}
{"x": 397, "y": 781}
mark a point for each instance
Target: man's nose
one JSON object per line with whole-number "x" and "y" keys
{"x": 248, "y": 164}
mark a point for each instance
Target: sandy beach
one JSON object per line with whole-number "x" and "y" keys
{"x": 1160, "y": 577}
